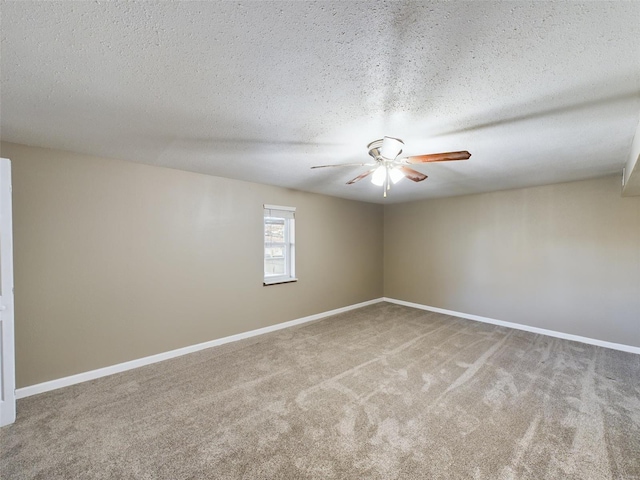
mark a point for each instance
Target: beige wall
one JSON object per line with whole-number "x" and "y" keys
{"x": 115, "y": 261}
{"x": 565, "y": 257}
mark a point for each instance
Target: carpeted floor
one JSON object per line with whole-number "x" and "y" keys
{"x": 382, "y": 392}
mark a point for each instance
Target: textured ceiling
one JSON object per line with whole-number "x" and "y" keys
{"x": 538, "y": 92}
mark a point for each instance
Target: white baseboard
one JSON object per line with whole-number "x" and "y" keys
{"x": 122, "y": 367}
{"x": 518, "y": 326}
{"x": 140, "y": 362}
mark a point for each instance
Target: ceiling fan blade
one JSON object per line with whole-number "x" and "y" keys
{"x": 439, "y": 157}
{"x": 412, "y": 174}
{"x": 345, "y": 165}
{"x": 361, "y": 176}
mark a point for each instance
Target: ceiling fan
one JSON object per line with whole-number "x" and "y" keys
{"x": 389, "y": 168}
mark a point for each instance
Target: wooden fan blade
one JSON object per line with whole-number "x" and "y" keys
{"x": 412, "y": 174}
{"x": 361, "y": 176}
{"x": 439, "y": 157}
{"x": 345, "y": 165}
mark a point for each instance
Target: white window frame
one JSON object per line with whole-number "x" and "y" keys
{"x": 289, "y": 216}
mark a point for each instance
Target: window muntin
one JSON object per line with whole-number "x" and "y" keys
{"x": 279, "y": 244}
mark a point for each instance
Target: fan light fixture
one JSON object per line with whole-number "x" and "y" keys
{"x": 382, "y": 173}
{"x": 396, "y": 175}
{"x": 389, "y": 167}
{"x": 379, "y": 176}
{"x": 385, "y": 153}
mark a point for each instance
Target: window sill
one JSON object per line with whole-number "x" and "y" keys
{"x": 267, "y": 283}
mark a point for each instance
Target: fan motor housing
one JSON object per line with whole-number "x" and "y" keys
{"x": 374, "y": 148}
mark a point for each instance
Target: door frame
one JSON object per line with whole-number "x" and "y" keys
{"x": 7, "y": 346}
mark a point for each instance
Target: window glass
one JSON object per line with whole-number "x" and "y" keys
{"x": 279, "y": 244}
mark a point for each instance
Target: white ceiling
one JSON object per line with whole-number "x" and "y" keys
{"x": 538, "y": 92}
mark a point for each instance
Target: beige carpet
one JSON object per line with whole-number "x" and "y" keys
{"x": 382, "y": 392}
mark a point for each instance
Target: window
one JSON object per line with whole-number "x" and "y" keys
{"x": 279, "y": 244}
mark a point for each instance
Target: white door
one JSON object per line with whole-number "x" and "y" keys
{"x": 7, "y": 357}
